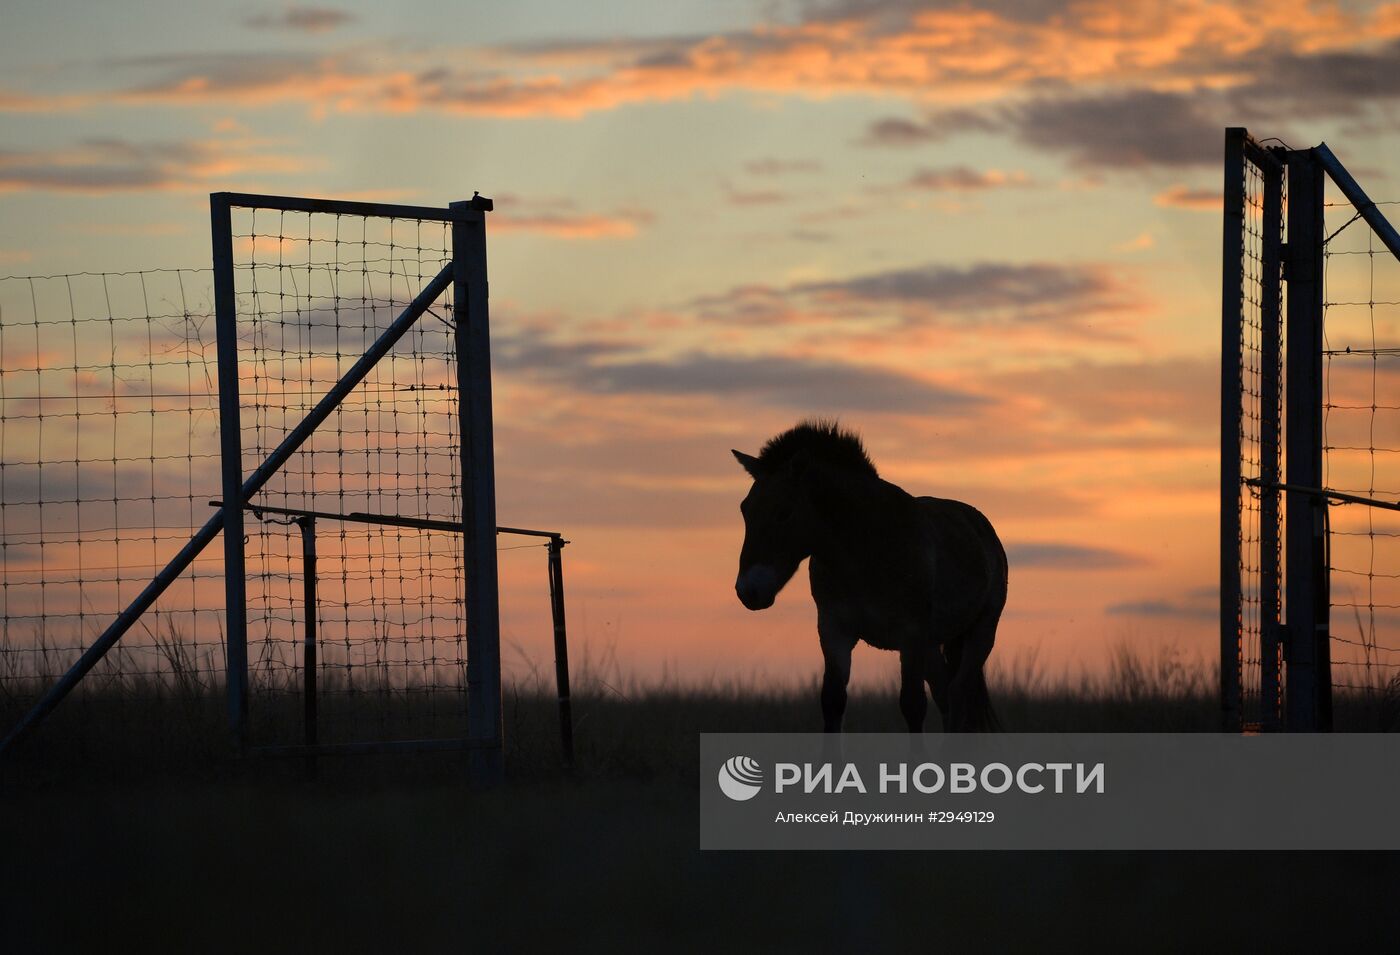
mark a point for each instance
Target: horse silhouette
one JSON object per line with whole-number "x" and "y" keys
{"x": 923, "y": 576}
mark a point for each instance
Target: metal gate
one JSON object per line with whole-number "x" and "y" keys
{"x": 1278, "y": 464}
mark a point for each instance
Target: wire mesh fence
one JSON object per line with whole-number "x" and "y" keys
{"x": 108, "y": 451}
{"x": 1361, "y": 443}
{"x": 314, "y": 291}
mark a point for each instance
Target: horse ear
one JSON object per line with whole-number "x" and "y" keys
{"x": 747, "y": 461}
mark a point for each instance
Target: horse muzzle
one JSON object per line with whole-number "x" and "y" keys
{"x": 757, "y": 587}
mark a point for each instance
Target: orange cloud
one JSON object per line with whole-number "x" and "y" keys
{"x": 562, "y": 219}
{"x": 568, "y": 227}
{"x": 781, "y": 167}
{"x": 964, "y": 53}
{"x": 130, "y": 228}
{"x": 98, "y": 166}
{"x": 964, "y": 179}
{"x": 1182, "y": 197}
{"x": 927, "y": 55}
{"x": 755, "y": 197}
{"x": 1141, "y": 242}
{"x": 13, "y": 102}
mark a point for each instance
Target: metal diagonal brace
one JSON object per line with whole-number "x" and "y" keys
{"x": 1339, "y": 496}
{"x": 1358, "y": 198}
{"x": 294, "y": 440}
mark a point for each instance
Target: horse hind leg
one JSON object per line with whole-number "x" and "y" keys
{"x": 970, "y": 705}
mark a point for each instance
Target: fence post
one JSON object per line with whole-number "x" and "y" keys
{"x": 1231, "y": 322}
{"x": 473, "y": 342}
{"x": 561, "y": 647}
{"x": 1270, "y": 298}
{"x": 308, "y": 663}
{"x": 231, "y": 459}
{"x": 1306, "y": 596}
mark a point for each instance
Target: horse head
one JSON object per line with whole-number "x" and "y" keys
{"x": 775, "y": 530}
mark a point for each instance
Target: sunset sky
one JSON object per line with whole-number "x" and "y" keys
{"x": 985, "y": 236}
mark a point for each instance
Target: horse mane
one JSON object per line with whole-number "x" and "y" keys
{"x": 824, "y": 440}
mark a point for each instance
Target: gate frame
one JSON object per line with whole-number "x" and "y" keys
{"x": 1242, "y": 149}
{"x": 471, "y": 332}
{"x": 1307, "y": 705}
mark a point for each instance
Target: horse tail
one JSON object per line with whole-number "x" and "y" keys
{"x": 978, "y": 714}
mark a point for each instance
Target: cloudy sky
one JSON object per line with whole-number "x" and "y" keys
{"x": 986, "y": 236}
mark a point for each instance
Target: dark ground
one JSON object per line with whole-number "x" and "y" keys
{"x": 126, "y": 827}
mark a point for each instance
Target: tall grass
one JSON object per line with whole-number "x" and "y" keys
{"x": 135, "y": 722}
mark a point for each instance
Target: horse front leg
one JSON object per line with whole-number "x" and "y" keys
{"x": 937, "y": 677}
{"x": 837, "y": 644}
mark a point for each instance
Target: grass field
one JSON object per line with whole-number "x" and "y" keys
{"x": 125, "y": 822}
